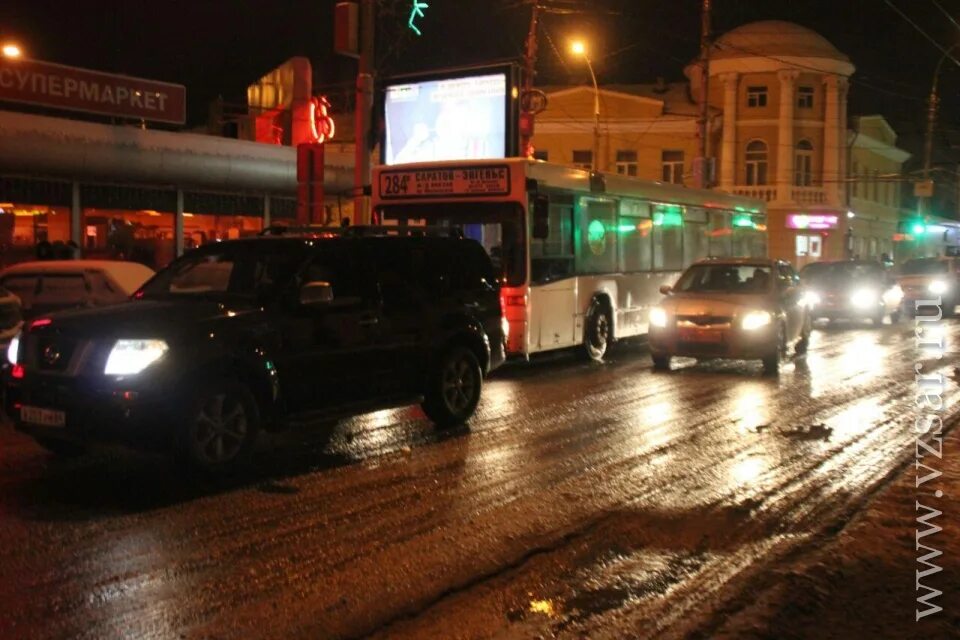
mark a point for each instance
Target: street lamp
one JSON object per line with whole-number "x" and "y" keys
{"x": 932, "y": 103}
{"x": 580, "y": 49}
{"x": 12, "y": 50}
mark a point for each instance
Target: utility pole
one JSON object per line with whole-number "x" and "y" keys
{"x": 700, "y": 169}
{"x": 530, "y": 67}
{"x": 362, "y": 175}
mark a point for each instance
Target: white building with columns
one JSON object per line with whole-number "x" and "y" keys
{"x": 779, "y": 131}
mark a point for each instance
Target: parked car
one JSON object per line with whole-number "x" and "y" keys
{"x": 247, "y": 334}
{"x": 739, "y": 308}
{"x": 851, "y": 289}
{"x": 930, "y": 279}
{"x": 10, "y": 317}
{"x": 52, "y": 285}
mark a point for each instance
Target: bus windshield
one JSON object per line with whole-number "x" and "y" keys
{"x": 496, "y": 226}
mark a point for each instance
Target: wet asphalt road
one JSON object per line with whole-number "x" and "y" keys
{"x": 583, "y": 501}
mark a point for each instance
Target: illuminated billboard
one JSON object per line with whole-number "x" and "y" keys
{"x": 456, "y": 116}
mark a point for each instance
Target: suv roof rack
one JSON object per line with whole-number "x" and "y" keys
{"x": 361, "y": 231}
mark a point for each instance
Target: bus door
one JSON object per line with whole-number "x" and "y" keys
{"x": 553, "y": 293}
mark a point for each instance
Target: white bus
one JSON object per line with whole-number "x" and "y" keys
{"x": 582, "y": 257}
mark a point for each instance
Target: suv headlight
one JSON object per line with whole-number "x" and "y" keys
{"x": 937, "y": 287}
{"x": 13, "y": 349}
{"x": 863, "y": 298}
{"x": 130, "y": 357}
{"x": 755, "y": 320}
{"x": 810, "y": 299}
{"x": 658, "y": 317}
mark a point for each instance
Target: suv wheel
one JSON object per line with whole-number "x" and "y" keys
{"x": 803, "y": 343}
{"x": 596, "y": 337}
{"x": 661, "y": 363}
{"x": 454, "y": 386}
{"x": 220, "y": 430}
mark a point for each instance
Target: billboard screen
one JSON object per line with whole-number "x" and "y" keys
{"x": 459, "y": 118}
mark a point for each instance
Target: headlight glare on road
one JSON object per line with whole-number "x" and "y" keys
{"x": 864, "y": 298}
{"x": 13, "y": 350}
{"x": 130, "y": 357}
{"x": 658, "y": 317}
{"x": 937, "y": 287}
{"x": 755, "y": 320}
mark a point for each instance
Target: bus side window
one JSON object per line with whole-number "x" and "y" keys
{"x": 552, "y": 257}
{"x": 597, "y": 250}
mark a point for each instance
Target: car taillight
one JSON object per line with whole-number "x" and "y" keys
{"x": 17, "y": 372}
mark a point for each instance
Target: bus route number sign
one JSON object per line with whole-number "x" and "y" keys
{"x": 439, "y": 183}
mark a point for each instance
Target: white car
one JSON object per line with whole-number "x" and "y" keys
{"x": 48, "y": 286}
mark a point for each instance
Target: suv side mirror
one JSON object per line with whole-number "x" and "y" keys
{"x": 541, "y": 217}
{"x": 316, "y": 293}
{"x": 666, "y": 289}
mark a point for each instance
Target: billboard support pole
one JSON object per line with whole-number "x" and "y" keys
{"x": 362, "y": 114}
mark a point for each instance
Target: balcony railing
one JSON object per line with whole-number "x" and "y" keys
{"x": 767, "y": 193}
{"x": 770, "y": 193}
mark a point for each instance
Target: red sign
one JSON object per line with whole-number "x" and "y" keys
{"x": 54, "y": 85}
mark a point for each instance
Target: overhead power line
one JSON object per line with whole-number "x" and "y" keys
{"x": 946, "y": 13}
{"x": 946, "y": 52}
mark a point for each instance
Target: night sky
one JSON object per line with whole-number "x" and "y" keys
{"x": 217, "y": 47}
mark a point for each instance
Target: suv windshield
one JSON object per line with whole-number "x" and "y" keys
{"x": 923, "y": 266}
{"x": 841, "y": 273}
{"x": 726, "y": 278}
{"x": 256, "y": 269}
{"x": 497, "y": 227}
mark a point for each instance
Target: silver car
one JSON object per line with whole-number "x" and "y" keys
{"x": 739, "y": 308}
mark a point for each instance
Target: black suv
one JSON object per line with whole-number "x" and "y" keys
{"x": 243, "y": 335}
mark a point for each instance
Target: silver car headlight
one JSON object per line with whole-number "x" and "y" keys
{"x": 658, "y": 317}
{"x": 937, "y": 287}
{"x": 864, "y": 298}
{"x": 130, "y": 357}
{"x": 13, "y": 349}
{"x": 755, "y": 320}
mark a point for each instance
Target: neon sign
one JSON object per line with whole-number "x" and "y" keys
{"x": 416, "y": 11}
{"x": 322, "y": 127}
{"x": 811, "y": 221}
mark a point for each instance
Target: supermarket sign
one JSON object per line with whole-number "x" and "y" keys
{"x": 46, "y": 84}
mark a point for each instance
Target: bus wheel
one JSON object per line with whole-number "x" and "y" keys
{"x": 597, "y": 332}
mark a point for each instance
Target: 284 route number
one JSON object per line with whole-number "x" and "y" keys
{"x": 394, "y": 185}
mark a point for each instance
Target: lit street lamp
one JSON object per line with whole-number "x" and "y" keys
{"x": 932, "y": 103}
{"x": 580, "y": 49}
{"x": 11, "y": 50}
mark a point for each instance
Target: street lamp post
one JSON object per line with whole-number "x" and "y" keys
{"x": 12, "y": 50}
{"x": 580, "y": 49}
{"x": 933, "y": 103}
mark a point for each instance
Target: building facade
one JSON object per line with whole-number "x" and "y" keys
{"x": 778, "y": 128}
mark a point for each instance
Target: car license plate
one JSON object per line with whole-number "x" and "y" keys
{"x": 701, "y": 335}
{"x": 43, "y": 417}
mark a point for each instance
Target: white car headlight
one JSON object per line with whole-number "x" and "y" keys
{"x": 658, "y": 317}
{"x": 756, "y": 319}
{"x": 130, "y": 357}
{"x": 864, "y": 298}
{"x": 937, "y": 287}
{"x": 810, "y": 299}
{"x": 13, "y": 350}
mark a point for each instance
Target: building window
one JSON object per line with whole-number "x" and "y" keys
{"x": 583, "y": 159}
{"x": 541, "y": 154}
{"x": 672, "y": 166}
{"x": 627, "y": 163}
{"x": 805, "y": 97}
{"x": 757, "y": 162}
{"x": 803, "y": 164}
{"x": 756, "y": 96}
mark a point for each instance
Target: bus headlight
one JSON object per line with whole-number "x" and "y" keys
{"x": 658, "y": 317}
{"x": 755, "y": 320}
{"x": 937, "y": 287}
